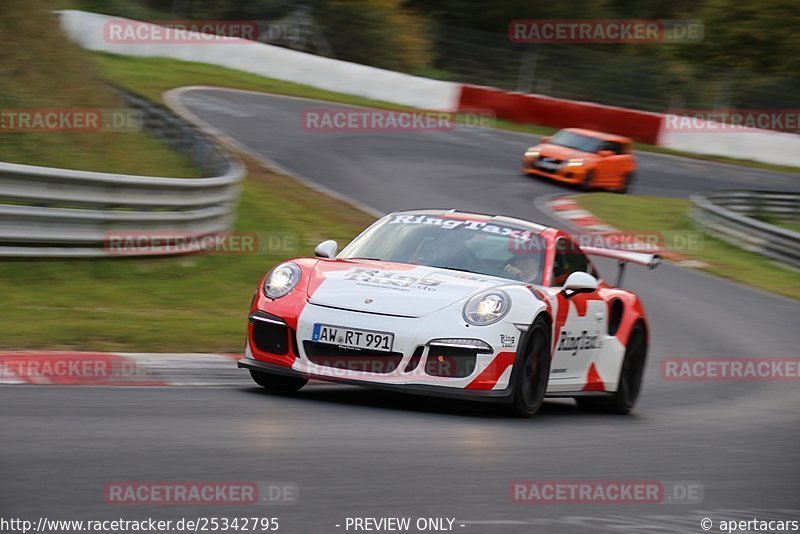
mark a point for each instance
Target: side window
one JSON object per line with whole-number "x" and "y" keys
{"x": 567, "y": 260}
{"x": 616, "y": 148}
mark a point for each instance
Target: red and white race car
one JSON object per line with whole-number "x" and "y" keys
{"x": 448, "y": 303}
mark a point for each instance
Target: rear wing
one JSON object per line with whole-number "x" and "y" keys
{"x": 651, "y": 261}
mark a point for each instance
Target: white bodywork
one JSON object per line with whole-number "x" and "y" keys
{"x": 377, "y": 299}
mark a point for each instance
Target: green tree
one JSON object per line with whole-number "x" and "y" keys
{"x": 752, "y": 35}
{"x": 382, "y": 33}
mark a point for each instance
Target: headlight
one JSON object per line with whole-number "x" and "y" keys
{"x": 575, "y": 163}
{"x": 486, "y": 308}
{"x": 532, "y": 153}
{"x": 281, "y": 280}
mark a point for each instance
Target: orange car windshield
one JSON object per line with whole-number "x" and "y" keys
{"x": 584, "y": 143}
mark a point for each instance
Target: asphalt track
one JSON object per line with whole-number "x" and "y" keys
{"x": 359, "y": 453}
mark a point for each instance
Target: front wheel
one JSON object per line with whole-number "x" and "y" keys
{"x": 532, "y": 372}
{"x": 630, "y": 378}
{"x": 588, "y": 183}
{"x": 628, "y": 184}
{"x": 278, "y": 383}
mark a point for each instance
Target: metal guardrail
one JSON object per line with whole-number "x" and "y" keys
{"x": 729, "y": 215}
{"x": 49, "y": 212}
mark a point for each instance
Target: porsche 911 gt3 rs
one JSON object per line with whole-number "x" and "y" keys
{"x": 455, "y": 304}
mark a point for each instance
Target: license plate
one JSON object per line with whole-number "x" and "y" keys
{"x": 549, "y": 166}
{"x": 353, "y": 337}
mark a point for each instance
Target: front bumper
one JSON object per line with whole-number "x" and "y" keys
{"x": 414, "y": 362}
{"x": 499, "y": 396}
{"x": 569, "y": 175}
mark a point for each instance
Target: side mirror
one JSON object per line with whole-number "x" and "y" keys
{"x": 326, "y": 249}
{"x": 545, "y": 138}
{"x": 579, "y": 282}
{"x": 605, "y": 153}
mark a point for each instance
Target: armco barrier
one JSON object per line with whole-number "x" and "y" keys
{"x": 727, "y": 215}
{"x": 546, "y": 111}
{"x": 87, "y": 29}
{"x": 68, "y": 213}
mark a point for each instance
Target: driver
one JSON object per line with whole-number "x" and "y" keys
{"x": 524, "y": 267}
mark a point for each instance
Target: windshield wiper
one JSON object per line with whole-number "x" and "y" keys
{"x": 458, "y": 269}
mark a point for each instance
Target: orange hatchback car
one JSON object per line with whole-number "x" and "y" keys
{"x": 584, "y": 158}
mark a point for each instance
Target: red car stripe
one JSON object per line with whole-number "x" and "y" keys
{"x": 488, "y": 378}
{"x": 593, "y": 380}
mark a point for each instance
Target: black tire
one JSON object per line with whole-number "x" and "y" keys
{"x": 630, "y": 378}
{"x": 628, "y": 185}
{"x": 588, "y": 183}
{"x": 278, "y": 383}
{"x": 532, "y": 371}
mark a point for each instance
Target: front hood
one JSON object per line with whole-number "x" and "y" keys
{"x": 392, "y": 288}
{"x": 562, "y": 152}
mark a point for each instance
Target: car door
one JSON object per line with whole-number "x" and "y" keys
{"x": 628, "y": 162}
{"x": 612, "y": 165}
{"x": 580, "y": 322}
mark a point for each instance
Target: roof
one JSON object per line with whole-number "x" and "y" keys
{"x": 599, "y": 135}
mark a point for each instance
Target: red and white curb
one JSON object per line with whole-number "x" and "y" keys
{"x": 566, "y": 208}
{"x": 67, "y": 368}
{"x": 76, "y": 368}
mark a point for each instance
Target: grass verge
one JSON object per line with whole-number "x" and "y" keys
{"x": 669, "y": 216}
{"x": 41, "y": 70}
{"x": 789, "y": 223}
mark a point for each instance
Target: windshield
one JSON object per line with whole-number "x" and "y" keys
{"x": 583, "y": 143}
{"x": 503, "y": 250}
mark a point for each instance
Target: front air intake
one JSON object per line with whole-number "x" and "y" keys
{"x": 270, "y": 333}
